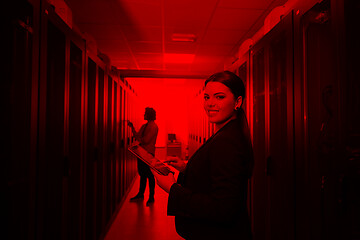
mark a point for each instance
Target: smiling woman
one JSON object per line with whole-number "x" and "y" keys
{"x": 223, "y": 98}
{"x": 209, "y": 199}
{"x": 220, "y": 104}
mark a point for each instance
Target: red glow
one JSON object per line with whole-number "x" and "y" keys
{"x": 171, "y": 99}
{"x": 178, "y": 58}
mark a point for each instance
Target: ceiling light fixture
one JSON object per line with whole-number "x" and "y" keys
{"x": 183, "y": 37}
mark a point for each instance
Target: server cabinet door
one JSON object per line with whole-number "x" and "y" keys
{"x": 109, "y": 149}
{"x": 91, "y": 152}
{"x": 122, "y": 145}
{"x": 100, "y": 201}
{"x": 259, "y": 178}
{"x": 349, "y": 177}
{"x": 280, "y": 159}
{"x": 243, "y": 73}
{"x": 74, "y": 175}
{"x": 323, "y": 157}
{"x": 52, "y": 160}
{"x": 115, "y": 170}
{"x": 19, "y": 118}
{"x": 273, "y": 179}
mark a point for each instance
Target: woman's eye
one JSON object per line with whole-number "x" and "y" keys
{"x": 206, "y": 97}
{"x": 220, "y": 97}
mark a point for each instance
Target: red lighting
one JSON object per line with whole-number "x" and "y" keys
{"x": 178, "y": 58}
{"x": 171, "y": 98}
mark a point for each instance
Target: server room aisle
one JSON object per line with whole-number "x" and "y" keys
{"x": 137, "y": 221}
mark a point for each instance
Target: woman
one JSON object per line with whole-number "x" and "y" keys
{"x": 209, "y": 198}
{"x": 147, "y": 138}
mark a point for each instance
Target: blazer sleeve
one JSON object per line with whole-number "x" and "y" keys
{"x": 227, "y": 195}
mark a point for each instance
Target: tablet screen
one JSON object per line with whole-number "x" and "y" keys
{"x": 148, "y": 158}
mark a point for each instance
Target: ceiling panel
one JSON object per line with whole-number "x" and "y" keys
{"x": 136, "y": 33}
{"x": 181, "y": 47}
{"x": 258, "y": 4}
{"x": 112, "y": 45}
{"x": 201, "y": 59}
{"x": 142, "y": 13}
{"x": 146, "y": 47}
{"x": 153, "y": 2}
{"x": 177, "y": 67}
{"x": 183, "y": 15}
{"x": 151, "y": 65}
{"x": 90, "y": 12}
{"x": 219, "y": 36}
{"x": 207, "y": 65}
{"x": 148, "y": 57}
{"x": 102, "y": 31}
{"x": 234, "y": 18}
{"x": 215, "y": 49}
{"x": 142, "y": 33}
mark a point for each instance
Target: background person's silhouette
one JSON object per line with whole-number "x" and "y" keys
{"x": 146, "y": 136}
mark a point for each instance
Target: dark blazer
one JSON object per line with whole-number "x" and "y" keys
{"x": 209, "y": 198}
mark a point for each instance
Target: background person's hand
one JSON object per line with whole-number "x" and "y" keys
{"x": 130, "y": 124}
{"x": 176, "y": 162}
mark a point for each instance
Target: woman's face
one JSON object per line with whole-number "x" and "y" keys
{"x": 219, "y": 103}
{"x": 146, "y": 115}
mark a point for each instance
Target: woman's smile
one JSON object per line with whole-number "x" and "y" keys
{"x": 212, "y": 112}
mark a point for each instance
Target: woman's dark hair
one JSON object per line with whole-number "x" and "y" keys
{"x": 236, "y": 86}
{"x": 150, "y": 113}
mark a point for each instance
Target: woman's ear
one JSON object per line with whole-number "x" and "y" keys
{"x": 238, "y": 102}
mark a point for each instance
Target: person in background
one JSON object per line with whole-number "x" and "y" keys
{"x": 147, "y": 139}
{"x": 209, "y": 199}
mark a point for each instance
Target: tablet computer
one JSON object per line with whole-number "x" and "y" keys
{"x": 150, "y": 160}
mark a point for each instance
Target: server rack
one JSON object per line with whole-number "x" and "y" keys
{"x": 63, "y": 125}
{"x": 300, "y": 77}
{"x": 64, "y": 129}
{"x": 19, "y": 98}
{"x": 272, "y": 78}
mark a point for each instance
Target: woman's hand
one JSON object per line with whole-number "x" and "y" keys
{"x": 165, "y": 182}
{"x": 176, "y": 162}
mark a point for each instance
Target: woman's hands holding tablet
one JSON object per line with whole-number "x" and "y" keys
{"x": 176, "y": 162}
{"x": 165, "y": 182}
